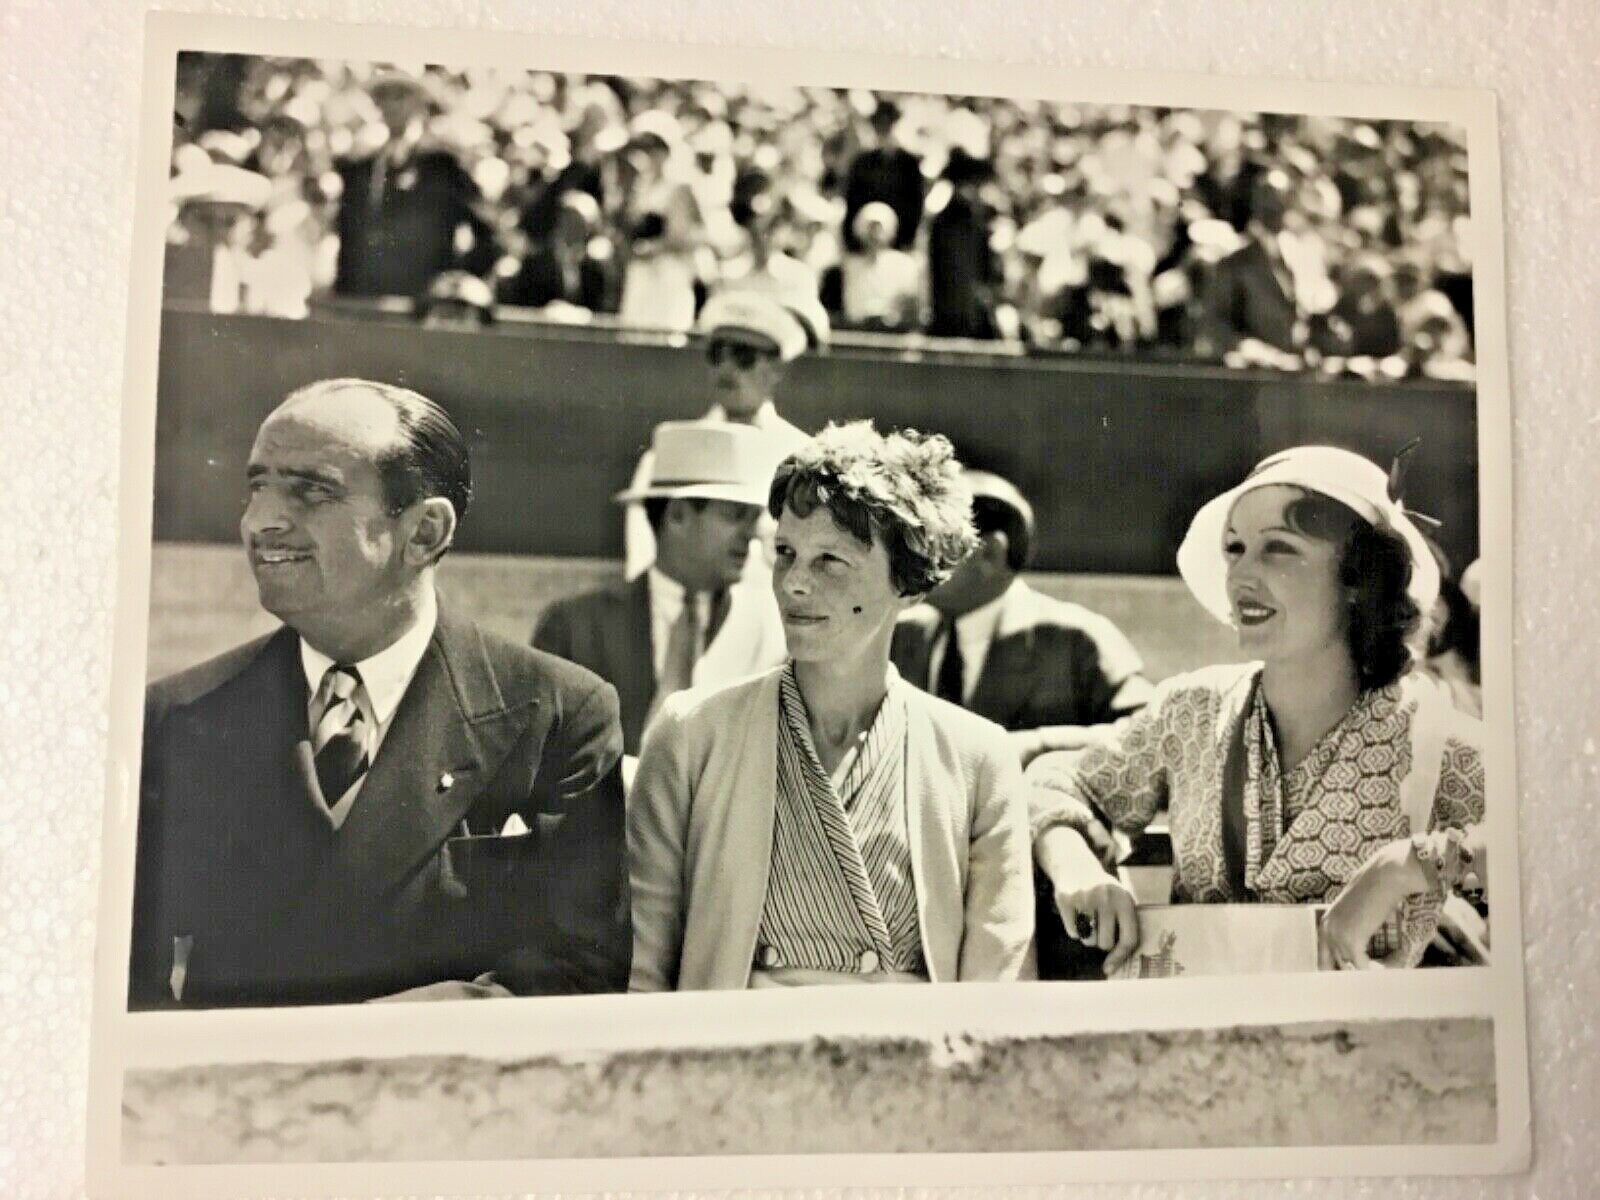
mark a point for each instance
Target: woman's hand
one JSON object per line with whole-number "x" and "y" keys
{"x": 1095, "y": 908}
{"x": 1103, "y": 915}
{"x": 1373, "y": 895}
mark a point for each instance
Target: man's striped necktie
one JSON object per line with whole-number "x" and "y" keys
{"x": 340, "y": 738}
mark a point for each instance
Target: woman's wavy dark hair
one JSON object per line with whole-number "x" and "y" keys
{"x": 905, "y": 487}
{"x": 1374, "y": 571}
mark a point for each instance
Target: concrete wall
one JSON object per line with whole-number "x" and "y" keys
{"x": 1115, "y": 454}
{"x": 203, "y": 600}
{"x": 1369, "y": 1083}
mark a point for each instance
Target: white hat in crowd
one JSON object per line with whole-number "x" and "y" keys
{"x": 207, "y": 182}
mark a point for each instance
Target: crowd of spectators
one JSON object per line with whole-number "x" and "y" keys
{"x": 1264, "y": 240}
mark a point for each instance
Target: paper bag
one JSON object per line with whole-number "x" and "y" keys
{"x": 1223, "y": 939}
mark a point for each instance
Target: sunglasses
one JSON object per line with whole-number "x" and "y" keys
{"x": 742, "y": 356}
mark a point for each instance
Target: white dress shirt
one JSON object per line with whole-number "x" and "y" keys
{"x": 666, "y": 606}
{"x": 975, "y": 632}
{"x": 384, "y": 679}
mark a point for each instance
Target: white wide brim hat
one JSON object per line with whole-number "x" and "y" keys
{"x": 706, "y": 460}
{"x": 1357, "y": 483}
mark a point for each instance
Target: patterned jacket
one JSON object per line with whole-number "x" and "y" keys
{"x": 1307, "y": 830}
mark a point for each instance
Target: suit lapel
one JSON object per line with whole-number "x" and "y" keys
{"x": 1009, "y": 667}
{"x": 632, "y": 656}
{"x": 449, "y": 736}
{"x": 252, "y": 740}
{"x": 913, "y": 647}
{"x": 243, "y": 821}
{"x": 1276, "y": 272}
{"x": 1007, "y": 677}
{"x": 721, "y": 602}
{"x": 641, "y": 649}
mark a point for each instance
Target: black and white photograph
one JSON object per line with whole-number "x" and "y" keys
{"x": 636, "y": 543}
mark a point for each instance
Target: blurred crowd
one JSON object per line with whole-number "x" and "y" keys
{"x": 1290, "y": 242}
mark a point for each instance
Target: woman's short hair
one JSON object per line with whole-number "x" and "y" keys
{"x": 904, "y": 487}
{"x": 1374, "y": 568}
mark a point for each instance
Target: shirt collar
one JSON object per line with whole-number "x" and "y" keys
{"x": 979, "y": 624}
{"x": 666, "y": 593}
{"x": 766, "y": 416}
{"x": 387, "y": 673}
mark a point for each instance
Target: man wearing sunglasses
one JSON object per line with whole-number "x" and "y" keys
{"x": 751, "y": 337}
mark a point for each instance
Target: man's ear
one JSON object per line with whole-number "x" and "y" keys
{"x": 434, "y": 530}
{"x": 996, "y": 546}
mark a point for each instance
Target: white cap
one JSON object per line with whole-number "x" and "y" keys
{"x": 989, "y": 486}
{"x": 702, "y": 460}
{"x": 1357, "y": 483}
{"x": 744, "y": 315}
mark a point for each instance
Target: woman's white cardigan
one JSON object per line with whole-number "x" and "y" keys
{"x": 700, "y": 816}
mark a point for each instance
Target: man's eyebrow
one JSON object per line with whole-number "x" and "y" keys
{"x": 308, "y": 474}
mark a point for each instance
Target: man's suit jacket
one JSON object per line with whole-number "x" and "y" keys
{"x": 1051, "y": 663}
{"x": 237, "y": 859}
{"x": 1244, "y": 298}
{"x": 398, "y": 226}
{"x": 608, "y": 631}
{"x": 700, "y": 822}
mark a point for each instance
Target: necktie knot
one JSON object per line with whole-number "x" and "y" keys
{"x": 340, "y": 681}
{"x": 339, "y": 739}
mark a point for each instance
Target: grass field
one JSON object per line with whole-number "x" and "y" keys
{"x": 203, "y": 600}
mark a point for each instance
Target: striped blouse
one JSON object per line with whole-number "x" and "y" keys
{"x": 840, "y": 894}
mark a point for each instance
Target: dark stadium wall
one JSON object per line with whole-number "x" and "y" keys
{"x": 1116, "y": 455}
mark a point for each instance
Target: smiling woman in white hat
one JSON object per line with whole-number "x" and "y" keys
{"x": 1282, "y": 776}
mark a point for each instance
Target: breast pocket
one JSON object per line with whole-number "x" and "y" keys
{"x": 485, "y": 869}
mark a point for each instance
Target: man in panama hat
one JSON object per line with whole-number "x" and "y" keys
{"x": 691, "y": 619}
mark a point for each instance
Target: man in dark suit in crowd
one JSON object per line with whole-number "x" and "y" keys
{"x": 886, "y": 172}
{"x": 1250, "y": 294}
{"x": 1043, "y": 668}
{"x": 964, "y": 273}
{"x": 698, "y": 616}
{"x": 407, "y": 213}
{"x": 379, "y": 799}
{"x": 1049, "y": 671}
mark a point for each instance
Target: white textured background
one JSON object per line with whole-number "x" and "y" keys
{"x": 68, "y": 101}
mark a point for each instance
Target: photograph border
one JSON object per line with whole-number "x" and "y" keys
{"x": 121, "y": 1039}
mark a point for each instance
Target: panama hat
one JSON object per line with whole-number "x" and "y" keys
{"x": 702, "y": 460}
{"x": 1356, "y": 482}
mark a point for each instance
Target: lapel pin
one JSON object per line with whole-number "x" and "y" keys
{"x": 446, "y": 781}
